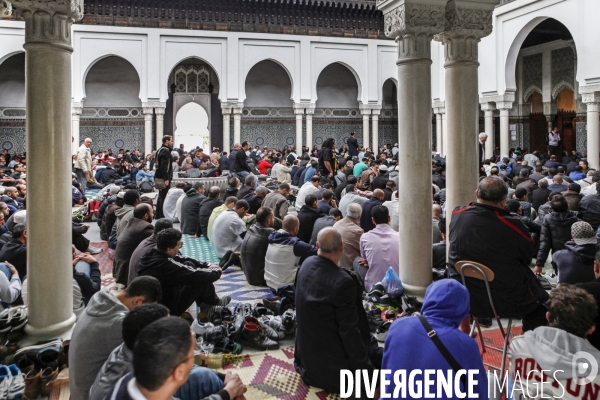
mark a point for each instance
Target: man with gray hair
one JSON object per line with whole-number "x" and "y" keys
{"x": 83, "y": 165}
{"x": 255, "y": 198}
{"x": 337, "y": 337}
{"x": 515, "y": 289}
{"x": 248, "y": 187}
{"x": 482, "y": 156}
{"x": 351, "y": 233}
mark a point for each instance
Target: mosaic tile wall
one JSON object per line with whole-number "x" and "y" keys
{"x": 12, "y": 138}
{"x": 581, "y": 137}
{"x": 114, "y": 137}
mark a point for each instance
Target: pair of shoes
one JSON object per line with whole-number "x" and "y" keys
{"x": 13, "y": 319}
{"x": 94, "y": 250}
{"x": 273, "y": 304}
{"x": 217, "y": 308}
{"x": 257, "y": 335}
{"x": 12, "y": 382}
{"x": 382, "y": 331}
{"x": 40, "y": 382}
{"x": 260, "y": 310}
{"x": 42, "y": 355}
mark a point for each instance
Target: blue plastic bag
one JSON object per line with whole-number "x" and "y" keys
{"x": 392, "y": 284}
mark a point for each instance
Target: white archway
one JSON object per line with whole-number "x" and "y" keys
{"x": 191, "y": 127}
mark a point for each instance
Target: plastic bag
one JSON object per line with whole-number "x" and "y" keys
{"x": 392, "y": 284}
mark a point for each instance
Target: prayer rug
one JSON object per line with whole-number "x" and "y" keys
{"x": 268, "y": 375}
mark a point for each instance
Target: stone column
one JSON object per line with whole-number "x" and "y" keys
{"x": 309, "y": 128}
{"x": 466, "y": 23}
{"x": 592, "y": 101}
{"x": 299, "y": 112}
{"x": 160, "y": 125}
{"x": 490, "y": 145}
{"x": 444, "y": 132}
{"x": 375, "y": 121}
{"x": 148, "y": 116}
{"x": 438, "y": 133}
{"x": 237, "y": 128}
{"x": 365, "y": 114}
{"x": 412, "y": 24}
{"x": 504, "y": 108}
{"x": 76, "y": 110}
{"x": 48, "y": 53}
{"x": 226, "y": 127}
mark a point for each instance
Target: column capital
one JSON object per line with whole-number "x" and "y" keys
{"x": 488, "y": 107}
{"x": 504, "y": 105}
{"x": 159, "y": 111}
{"x": 148, "y": 111}
{"x": 76, "y": 111}
{"x": 48, "y": 21}
{"x": 588, "y": 98}
{"x": 365, "y": 112}
{"x": 237, "y": 111}
{"x": 466, "y": 23}
{"x": 412, "y": 24}
{"x": 310, "y": 111}
{"x": 375, "y": 112}
{"x": 154, "y": 104}
{"x": 439, "y": 107}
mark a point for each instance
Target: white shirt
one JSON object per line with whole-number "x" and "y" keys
{"x": 350, "y": 198}
{"x": 170, "y": 204}
{"x": 553, "y": 138}
{"x": 226, "y": 233}
{"x": 589, "y": 190}
{"x": 305, "y": 190}
{"x": 393, "y": 207}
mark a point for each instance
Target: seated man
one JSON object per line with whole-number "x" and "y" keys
{"x": 557, "y": 349}
{"x": 183, "y": 280}
{"x": 15, "y": 251}
{"x": 333, "y": 331}
{"x": 163, "y": 361}
{"x": 575, "y": 263}
{"x": 213, "y": 201}
{"x": 227, "y": 205}
{"x": 10, "y": 284}
{"x": 145, "y": 246}
{"x": 308, "y": 188}
{"x": 439, "y": 249}
{"x": 515, "y": 289}
{"x": 248, "y": 187}
{"x": 131, "y": 198}
{"x": 139, "y": 228}
{"x": 256, "y": 198}
{"x": 103, "y": 318}
{"x": 351, "y": 232}
{"x": 190, "y": 209}
{"x": 366, "y": 221}
{"x": 351, "y": 197}
{"x": 329, "y": 219}
{"x": 407, "y": 346}
{"x": 379, "y": 249}
{"x": 233, "y": 186}
{"x": 327, "y": 201}
{"x": 307, "y": 216}
{"x": 285, "y": 254}
{"x": 228, "y": 229}
{"x": 170, "y": 203}
{"x": 254, "y": 247}
{"x": 143, "y": 175}
{"x": 277, "y": 201}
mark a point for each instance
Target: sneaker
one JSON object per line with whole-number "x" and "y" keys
{"x": 551, "y": 277}
{"x": 382, "y": 331}
{"x": 217, "y": 308}
{"x": 204, "y": 346}
{"x": 43, "y": 354}
{"x": 288, "y": 320}
{"x": 17, "y": 384}
{"x": 200, "y": 327}
{"x": 5, "y": 317}
{"x": 5, "y": 381}
{"x": 215, "y": 333}
{"x": 254, "y": 336}
{"x": 377, "y": 290}
{"x": 94, "y": 250}
{"x": 19, "y": 317}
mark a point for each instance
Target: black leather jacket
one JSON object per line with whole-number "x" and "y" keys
{"x": 556, "y": 231}
{"x": 253, "y": 253}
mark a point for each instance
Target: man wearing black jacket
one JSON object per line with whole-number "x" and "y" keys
{"x": 206, "y": 208}
{"x": 474, "y": 233}
{"x": 183, "y": 280}
{"x": 241, "y": 166}
{"x": 353, "y": 145}
{"x": 164, "y": 170}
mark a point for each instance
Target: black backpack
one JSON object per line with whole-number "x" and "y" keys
{"x": 146, "y": 187}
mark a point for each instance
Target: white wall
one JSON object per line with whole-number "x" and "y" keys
{"x": 112, "y": 82}
{"x": 268, "y": 85}
{"x": 337, "y": 88}
{"x": 12, "y": 81}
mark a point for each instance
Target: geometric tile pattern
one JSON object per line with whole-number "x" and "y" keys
{"x": 581, "y": 136}
{"x": 563, "y": 66}
{"x": 12, "y": 139}
{"x": 115, "y": 137}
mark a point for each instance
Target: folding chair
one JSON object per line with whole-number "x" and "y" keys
{"x": 476, "y": 270}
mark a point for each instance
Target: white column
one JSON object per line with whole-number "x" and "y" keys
{"x": 237, "y": 128}
{"x": 365, "y": 114}
{"x": 148, "y": 115}
{"x": 490, "y": 145}
{"x": 299, "y": 113}
{"x": 438, "y": 133}
{"x": 76, "y": 110}
{"x": 504, "y": 108}
{"x": 226, "y": 127}
{"x": 592, "y": 101}
{"x": 48, "y": 58}
{"x": 375, "y": 121}
{"x": 444, "y": 132}
{"x": 414, "y": 118}
{"x": 461, "y": 40}
{"x": 160, "y": 125}
{"x": 309, "y": 128}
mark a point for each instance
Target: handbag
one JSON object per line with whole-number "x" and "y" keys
{"x": 159, "y": 184}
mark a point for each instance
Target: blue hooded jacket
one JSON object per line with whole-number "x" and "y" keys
{"x": 407, "y": 346}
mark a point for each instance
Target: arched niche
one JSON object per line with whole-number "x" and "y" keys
{"x": 112, "y": 82}
{"x": 12, "y": 81}
{"x": 268, "y": 84}
{"x": 337, "y": 87}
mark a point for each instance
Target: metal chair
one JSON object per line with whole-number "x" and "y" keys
{"x": 477, "y": 270}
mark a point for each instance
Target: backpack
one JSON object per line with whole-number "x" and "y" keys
{"x": 146, "y": 187}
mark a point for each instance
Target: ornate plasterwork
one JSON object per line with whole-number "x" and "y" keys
{"x": 531, "y": 90}
{"x": 464, "y": 28}
{"x": 559, "y": 87}
{"x": 413, "y": 27}
{"x": 5, "y": 9}
{"x": 49, "y": 22}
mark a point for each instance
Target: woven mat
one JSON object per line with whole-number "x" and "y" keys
{"x": 268, "y": 375}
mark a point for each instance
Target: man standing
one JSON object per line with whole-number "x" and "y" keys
{"x": 333, "y": 332}
{"x": 482, "y": 139}
{"x": 241, "y": 166}
{"x": 353, "y": 145}
{"x": 553, "y": 141}
{"x": 83, "y": 165}
{"x": 164, "y": 170}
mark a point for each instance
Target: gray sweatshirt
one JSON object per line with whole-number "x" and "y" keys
{"x": 96, "y": 334}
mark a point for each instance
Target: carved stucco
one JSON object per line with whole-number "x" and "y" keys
{"x": 532, "y": 74}
{"x": 563, "y": 69}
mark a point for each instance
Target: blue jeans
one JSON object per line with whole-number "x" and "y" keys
{"x": 83, "y": 267}
{"x": 201, "y": 383}
{"x": 4, "y": 269}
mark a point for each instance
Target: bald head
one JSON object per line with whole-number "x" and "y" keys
{"x": 379, "y": 194}
{"x": 437, "y": 211}
{"x": 291, "y": 224}
{"x": 11, "y": 192}
{"x": 329, "y": 241}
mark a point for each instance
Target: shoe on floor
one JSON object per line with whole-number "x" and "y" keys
{"x": 32, "y": 384}
{"x": 94, "y": 250}
{"x": 484, "y": 322}
{"x": 17, "y": 384}
{"x": 253, "y": 336}
{"x": 5, "y": 381}
{"x": 216, "y": 308}
{"x": 48, "y": 376}
{"x": 19, "y": 317}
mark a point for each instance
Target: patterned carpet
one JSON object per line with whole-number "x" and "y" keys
{"x": 232, "y": 283}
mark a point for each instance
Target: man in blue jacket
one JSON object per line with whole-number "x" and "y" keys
{"x": 409, "y": 348}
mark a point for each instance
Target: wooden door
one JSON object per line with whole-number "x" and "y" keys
{"x": 567, "y": 126}
{"x": 538, "y": 128}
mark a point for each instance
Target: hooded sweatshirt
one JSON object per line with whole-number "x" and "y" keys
{"x": 555, "y": 350}
{"x": 123, "y": 216}
{"x": 407, "y": 346}
{"x": 96, "y": 334}
{"x": 575, "y": 264}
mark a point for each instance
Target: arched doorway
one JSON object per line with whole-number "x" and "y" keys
{"x": 388, "y": 117}
{"x": 12, "y": 104}
{"x": 191, "y": 127}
